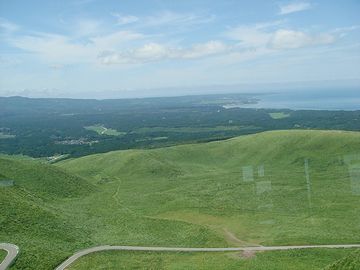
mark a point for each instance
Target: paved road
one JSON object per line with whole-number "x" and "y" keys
{"x": 84, "y": 252}
{"x": 12, "y": 251}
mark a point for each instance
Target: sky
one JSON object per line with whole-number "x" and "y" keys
{"x": 121, "y": 48}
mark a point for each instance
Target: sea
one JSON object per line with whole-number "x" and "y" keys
{"x": 341, "y": 99}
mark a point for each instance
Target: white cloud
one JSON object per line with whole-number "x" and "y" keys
{"x": 249, "y": 36}
{"x": 288, "y": 39}
{"x": 265, "y": 35}
{"x": 294, "y": 7}
{"x": 52, "y": 47}
{"x": 125, "y": 19}
{"x": 155, "y": 52}
{"x": 164, "y": 18}
{"x": 60, "y": 49}
{"x": 344, "y": 31}
{"x": 150, "y": 52}
{"x": 8, "y": 27}
{"x": 115, "y": 39}
{"x": 205, "y": 49}
{"x": 132, "y": 47}
{"x": 87, "y": 27}
{"x": 179, "y": 19}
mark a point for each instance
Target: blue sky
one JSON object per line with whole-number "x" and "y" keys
{"x": 80, "y": 47}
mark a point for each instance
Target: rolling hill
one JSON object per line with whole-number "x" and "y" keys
{"x": 271, "y": 188}
{"x": 280, "y": 187}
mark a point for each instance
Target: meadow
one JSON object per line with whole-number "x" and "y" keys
{"x": 350, "y": 262}
{"x": 271, "y": 188}
{"x": 274, "y": 260}
{"x": 2, "y": 254}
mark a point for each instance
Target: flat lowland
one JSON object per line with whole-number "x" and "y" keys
{"x": 271, "y": 188}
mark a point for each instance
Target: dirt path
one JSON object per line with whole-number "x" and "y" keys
{"x": 232, "y": 239}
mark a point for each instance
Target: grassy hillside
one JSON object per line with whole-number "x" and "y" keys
{"x": 350, "y": 262}
{"x": 275, "y": 260}
{"x": 283, "y": 187}
{"x": 29, "y": 217}
{"x": 273, "y": 188}
{"x": 46, "y": 181}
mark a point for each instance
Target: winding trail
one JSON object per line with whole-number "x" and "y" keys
{"x": 84, "y": 252}
{"x": 12, "y": 251}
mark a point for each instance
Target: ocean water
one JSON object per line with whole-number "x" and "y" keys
{"x": 310, "y": 100}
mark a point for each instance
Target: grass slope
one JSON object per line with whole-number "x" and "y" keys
{"x": 28, "y": 216}
{"x": 276, "y": 260}
{"x": 273, "y": 188}
{"x": 350, "y": 262}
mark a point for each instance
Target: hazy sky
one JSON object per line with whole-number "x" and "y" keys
{"x": 67, "y": 48}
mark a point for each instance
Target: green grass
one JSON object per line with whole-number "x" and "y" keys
{"x": 203, "y": 185}
{"x": 247, "y": 190}
{"x": 279, "y": 115}
{"x": 350, "y": 262}
{"x": 3, "y": 254}
{"x": 274, "y": 260}
{"x": 101, "y": 130}
{"x": 29, "y": 217}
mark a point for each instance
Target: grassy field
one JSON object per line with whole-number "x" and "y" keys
{"x": 350, "y": 262}
{"x": 272, "y": 188}
{"x": 101, "y": 130}
{"x": 2, "y": 255}
{"x": 275, "y": 260}
{"x": 279, "y": 115}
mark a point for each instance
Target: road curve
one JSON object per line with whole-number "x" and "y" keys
{"x": 12, "y": 252}
{"x": 84, "y": 252}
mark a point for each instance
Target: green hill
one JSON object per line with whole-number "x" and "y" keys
{"x": 253, "y": 187}
{"x": 272, "y": 188}
{"x": 350, "y": 262}
{"x": 44, "y": 180}
{"x": 29, "y": 217}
